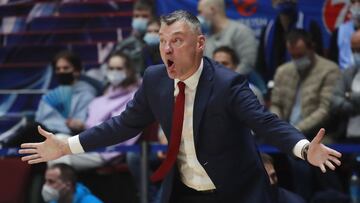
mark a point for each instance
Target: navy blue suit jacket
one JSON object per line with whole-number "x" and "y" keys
{"x": 225, "y": 109}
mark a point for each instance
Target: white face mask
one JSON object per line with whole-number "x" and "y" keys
{"x": 115, "y": 77}
{"x": 139, "y": 24}
{"x": 302, "y": 63}
{"x": 356, "y": 59}
{"x": 152, "y": 39}
{"x": 355, "y": 12}
{"x": 49, "y": 194}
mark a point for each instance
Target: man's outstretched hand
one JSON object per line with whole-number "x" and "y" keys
{"x": 320, "y": 155}
{"x": 52, "y": 148}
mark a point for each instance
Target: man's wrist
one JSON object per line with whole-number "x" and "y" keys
{"x": 299, "y": 146}
{"x": 304, "y": 151}
{"x": 65, "y": 148}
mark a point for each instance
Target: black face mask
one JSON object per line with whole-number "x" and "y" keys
{"x": 65, "y": 78}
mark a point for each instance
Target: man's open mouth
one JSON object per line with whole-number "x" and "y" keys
{"x": 170, "y": 63}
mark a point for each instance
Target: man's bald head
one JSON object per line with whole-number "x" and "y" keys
{"x": 355, "y": 48}
{"x": 219, "y": 5}
{"x": 355, "y": 41}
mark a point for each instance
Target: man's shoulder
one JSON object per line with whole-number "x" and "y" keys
{"x": 240, "y": 28}
{"x": 155, "y": 72}
{"x": 327, "y": 64}
{"x": 155, "y": 69}
{"x": 221, "y": 73}
{"x": 286, "y": 68}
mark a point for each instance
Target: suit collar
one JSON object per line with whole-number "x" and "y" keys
{"x": 203, "y": 92}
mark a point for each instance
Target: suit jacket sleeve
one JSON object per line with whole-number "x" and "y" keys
{"x": 275, "y": 94}
{"x": 130, "y": 123}
{"x": 247, "y": 109}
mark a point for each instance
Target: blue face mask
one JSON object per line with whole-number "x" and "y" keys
{"x": 205, "y": 25}
{"x": 286, "y": 8}
{"x": 139, "y": 24}
{"x": 152, "y": 39}
{"x": 356, "y": 59}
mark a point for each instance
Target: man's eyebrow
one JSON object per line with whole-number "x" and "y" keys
{"x": 175, "y": 33}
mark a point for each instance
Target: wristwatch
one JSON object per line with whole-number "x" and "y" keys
{"x": 304, "y": 151}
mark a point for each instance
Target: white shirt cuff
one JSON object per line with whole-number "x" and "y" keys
{"x": 74, "y": 144}
{"x": 299, "y": 146}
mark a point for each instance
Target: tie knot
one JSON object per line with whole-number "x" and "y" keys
{"x": 181, "y": 86}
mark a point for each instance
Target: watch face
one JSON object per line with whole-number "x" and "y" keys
{"x": 304, "y": 151}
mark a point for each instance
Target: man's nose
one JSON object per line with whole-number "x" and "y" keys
{"x": 168, "y": 49}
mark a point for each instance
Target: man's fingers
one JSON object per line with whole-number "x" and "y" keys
{"x": 318, "y": 138}
{"x": 335, "y": 160}
{"x": 43, "y": 132}
{"x": 29, "y": 145}
{"x": 35, "y": 161}
{"x": 322, "y": 167}
{"x": 30, "y": 157}
{"x": 334, "y": 153}
{"x": 329, "y": 164}
{"x": 27, "y": 151}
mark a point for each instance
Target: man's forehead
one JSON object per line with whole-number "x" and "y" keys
{"x": 298, "y": 44}
{"x": 174, "y": 28}
{"x": 55, "y": 172}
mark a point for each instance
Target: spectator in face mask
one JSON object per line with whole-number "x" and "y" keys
{"x": 134, "y": 44}
{"x": 222, "y": 31}
{"x": 301, "y": 96}
{"x": 122, "y": 85}
{"x": 69, "y": 100}
{"x": 340, "y": 45}
{"x": 151, "y": 52}
{"x": 303, "y": 87}
{"x": 61, "y": 186}
{"x": 346, "y": 99}
{"x": 272, "y": 48}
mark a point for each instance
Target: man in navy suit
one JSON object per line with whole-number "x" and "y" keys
{"x": 207, "y": 113}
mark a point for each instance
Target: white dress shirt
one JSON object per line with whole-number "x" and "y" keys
{"x": 191, "y": 171}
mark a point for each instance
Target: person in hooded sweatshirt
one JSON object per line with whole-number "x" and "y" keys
{"x": 122, "y": 83}
{"x": 69, "y": 100}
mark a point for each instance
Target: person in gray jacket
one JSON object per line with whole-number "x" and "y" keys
{"x": 346, "y": 99}
{"x": 221, "y": 31}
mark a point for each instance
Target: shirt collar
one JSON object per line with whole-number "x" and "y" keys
{"x": 193, "y": 80}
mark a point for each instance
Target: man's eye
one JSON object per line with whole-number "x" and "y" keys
{"x": 177, "y": 41}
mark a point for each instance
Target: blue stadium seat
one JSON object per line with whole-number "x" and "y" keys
{"x": 52, "y": 23}
{"x": 95, "y": 7}
{"x": 62, "y": 36}
{"x": 40, "y": 54}
{"x": 15, "y": 9}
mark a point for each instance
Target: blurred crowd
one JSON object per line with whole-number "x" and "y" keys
{"x": 288, "y": 69}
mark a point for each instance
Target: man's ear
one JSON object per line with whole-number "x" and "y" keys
{"x": 201, "y": 42}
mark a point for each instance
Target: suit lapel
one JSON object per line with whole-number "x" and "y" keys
{"x": 167, "y": 104}
{"x": 203, "y": 91}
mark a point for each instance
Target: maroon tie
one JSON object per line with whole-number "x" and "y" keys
{"x": 176, "y": 130}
